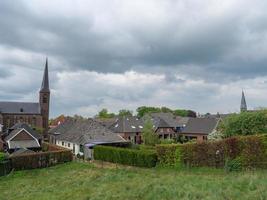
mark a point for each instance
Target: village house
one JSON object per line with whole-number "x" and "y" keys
{"x": 199, "y": 128}
{"x": 35, "y": 114}
{"x": 22, "y": 136}
{"x": 164, "y": 125}
{"x": 81, "y": 135}
{"x": 128, "y": 127}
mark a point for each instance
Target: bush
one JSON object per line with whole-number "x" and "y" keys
{"x": 169, "y": 155}
{"x": 2, "y": 157}
{"x": 245, "y": 123}
{"x": 140, "y": 158}
{"x": 52, "y": 156}
{"x": 233, "y": 165}
{"x": 167, "y": 141}
{"x": 251, "y": 150}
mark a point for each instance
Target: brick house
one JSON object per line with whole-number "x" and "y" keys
{"x": 129, "y": 127}
{"x": 164, "y": 125}
{"x": 199, "y": 128}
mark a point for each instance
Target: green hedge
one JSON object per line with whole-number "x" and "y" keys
{"x": 52, "y": 155}
{"x": 5, "y": 167}
{"x": 251, "y": 151}
{"x": 2, "y": 156}
{"x": 140, "y": 158}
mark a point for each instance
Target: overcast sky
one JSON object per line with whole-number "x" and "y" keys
{"x": 117, "y": 54}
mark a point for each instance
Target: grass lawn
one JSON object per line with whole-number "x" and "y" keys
{"x": 84, "y": 181}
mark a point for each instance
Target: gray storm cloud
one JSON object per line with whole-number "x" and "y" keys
{"x": 216, "y": 43}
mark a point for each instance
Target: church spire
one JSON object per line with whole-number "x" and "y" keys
{"x": 45, "y": 83}
{"x": 243, "y": 106}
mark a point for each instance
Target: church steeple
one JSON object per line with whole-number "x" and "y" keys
{"x": 45, "y": 83}
{"x": 44, "y": 99}
{"x": 243, "y": 106}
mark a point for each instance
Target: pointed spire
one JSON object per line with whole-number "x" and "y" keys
{"x": 45, "y": 83}
{"x": 243, "y": 106}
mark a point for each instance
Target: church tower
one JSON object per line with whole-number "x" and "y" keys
{"x": 243, "y": 106}
{"x": 44, "y": 98}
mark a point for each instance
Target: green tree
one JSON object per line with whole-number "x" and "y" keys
{"x": 245, "y": 123}
{"x": 104, "y": 114}
{"x": 149, "y": 136}
{"x": 180, "y": 112}
{"x": 125, "y": 112}
{"x": 166, "y": 110}
{"x": 141, "y": 111}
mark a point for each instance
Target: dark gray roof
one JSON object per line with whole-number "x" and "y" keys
{"x": 200, "y": 125}
{"x": 83, "y": 131}
{"x": 22, "y": 151}
{"x": 45, "y": 83}
{"x": 181, "y": 121}
{"x": 107, "y": 122}
{"x": 127, "y": 124}
{"x": 17, "y": 127}
{"x": 19, "y": 107}
{"x": 163, "y": 120}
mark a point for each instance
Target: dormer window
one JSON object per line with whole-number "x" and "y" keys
{"x": 21, "y": 110}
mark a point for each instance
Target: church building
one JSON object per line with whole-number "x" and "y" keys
{"x": 35, "y": 114}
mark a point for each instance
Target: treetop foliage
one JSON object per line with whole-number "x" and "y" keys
{"x": 245, "y": 123}
{"x": 141, "y": 111}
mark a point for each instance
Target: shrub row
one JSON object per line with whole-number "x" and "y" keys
{"x": 2, "y": 156}
{"x": 250, "y": 151}
{"x": 140, "y": 158}
{"x": 41, "y": 159}
{"x": 5, "y": 167}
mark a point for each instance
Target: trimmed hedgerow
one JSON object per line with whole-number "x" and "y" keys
{"x": 2, "y": 156}
{"x": 169, "y": 155}
{"x": 140, "y": 158}
{"x": 251, "y": 152}
{"x": 52, "y": 156}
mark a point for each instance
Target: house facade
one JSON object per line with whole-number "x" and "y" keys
{"x": 22, "y": 136}
{"x": 199, "y": 128}
{"x": 35, "y": 114}
{"x": 129, "y": 127}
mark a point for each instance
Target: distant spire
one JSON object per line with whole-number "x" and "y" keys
{"x": 45, "y": 83}
{"x": 243, "y": 106}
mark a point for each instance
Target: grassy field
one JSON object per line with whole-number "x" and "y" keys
{"x": 84, "y": 181}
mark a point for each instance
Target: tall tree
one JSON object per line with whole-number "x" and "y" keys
{"x": 104, "y": 114}
{"x": 141, "y": 111}
{"x": 149, "y": 137}
{"x": 125, "y": 112}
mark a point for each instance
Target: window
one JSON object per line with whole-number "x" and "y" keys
{"x": 68, "y": 144}
{"x": 21, "y": 110}
{"x": 44, "y": 99}
{"x": 62, "y": 143}
{"x": 73, "y": 150}
{"x": 81, "y": 148}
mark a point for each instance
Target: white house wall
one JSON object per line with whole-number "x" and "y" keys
{"x": 69, "y": 145}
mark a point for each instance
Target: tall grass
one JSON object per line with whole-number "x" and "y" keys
{"x": 82, "y": 181}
